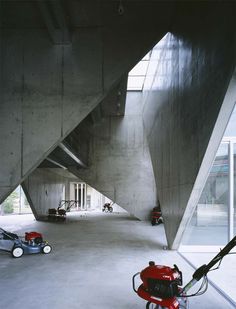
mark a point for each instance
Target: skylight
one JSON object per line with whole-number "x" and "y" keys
{"x": 137, "y": 75}
{"x": 143, "y": 73}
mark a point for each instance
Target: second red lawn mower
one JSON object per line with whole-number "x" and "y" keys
{"x": 156, "y": 216}
{"x": 161, "y": 285}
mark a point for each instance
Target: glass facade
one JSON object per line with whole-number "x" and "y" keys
{"x": 209, "y": 224}
{"x": 214, "y": 220}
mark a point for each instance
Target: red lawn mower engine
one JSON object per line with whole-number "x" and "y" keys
{"x": 33, "y": 238}
{"x": 161, "y": 285}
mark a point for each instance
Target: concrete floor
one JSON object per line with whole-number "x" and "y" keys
{"x": 94, "y": 258}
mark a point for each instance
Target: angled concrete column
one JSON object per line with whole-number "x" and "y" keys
{"x": 119, "y": 161}
{"x": 185, "y": 107}
{"x": 44, "y": 189}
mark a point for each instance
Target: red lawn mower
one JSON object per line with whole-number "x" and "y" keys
{"x": 161, "y": 285}
{"x": 156, "y": 216}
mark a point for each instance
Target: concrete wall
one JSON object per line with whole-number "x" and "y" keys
{"x": 44, "y": 189}
{"x": 183, "y": 100}
{"x": 46, "y": 89}
{"x": 119, "y": 161}
{"x": 36, "y": 110}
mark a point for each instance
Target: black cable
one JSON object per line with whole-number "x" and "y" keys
{"x": 206, "y": 287}
{"x": 221, "y": 262}
{"x": 199, "y": 292}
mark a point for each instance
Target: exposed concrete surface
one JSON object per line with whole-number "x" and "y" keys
{"x": 79, "y": 139}
{"x": 47, "y": 89}
{"x": 44, "y": 189}
{"x": 42, "y": 98}
{"x": 119, "y": 160}
{"x": 183, "y": 100}
{"x": 91, "y": 266}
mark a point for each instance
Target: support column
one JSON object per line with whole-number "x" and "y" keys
{"x": 77, "y": 195}
{"x": 231, "y": 190}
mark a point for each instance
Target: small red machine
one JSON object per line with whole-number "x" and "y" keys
{"x": 161, "y": 285}
{"x": 156, "y": 216}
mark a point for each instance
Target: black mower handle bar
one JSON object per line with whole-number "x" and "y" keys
{"x": 204, "y": 269}
{"x": 133, "y": 281}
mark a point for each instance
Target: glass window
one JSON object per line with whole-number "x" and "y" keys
{"x": 137, "y": 76}
{"x": 15, "y": 203}
{"x": 140, "y": 69}
{"x": 209, "y": 224}
{"x": 135, "y": 82}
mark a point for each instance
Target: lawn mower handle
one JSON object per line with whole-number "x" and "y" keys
{"x": 133, "y": 280}
{"x": 204, "y": 269}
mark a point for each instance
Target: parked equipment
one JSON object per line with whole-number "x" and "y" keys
{"x": 156, "y": 216}
{"x": 31, "y": 243}
{"x": 69, "y": 204}
{"x": 56, "y": 215}
{"x": 107, "y": 207}
{"x": 161, "y": 285}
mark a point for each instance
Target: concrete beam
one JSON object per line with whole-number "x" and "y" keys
{"x": 56, "y": 163}
{"x": 74, "y": 156}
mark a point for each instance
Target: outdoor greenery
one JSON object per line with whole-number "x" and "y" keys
{"x": 16, "y": 203}
{"x": 8, "y": 204}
